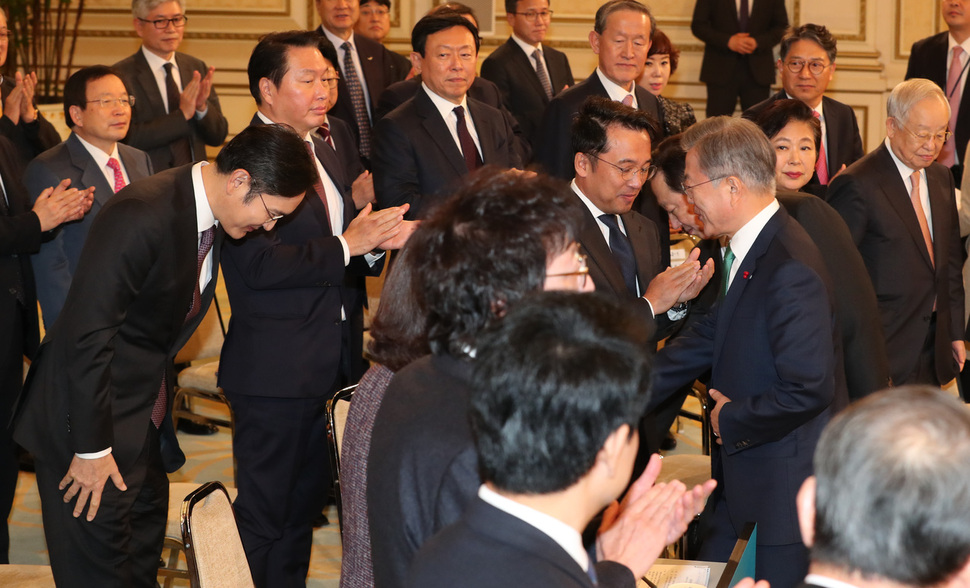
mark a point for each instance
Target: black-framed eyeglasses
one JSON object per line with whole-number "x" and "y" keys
{"x": 814, "y": 67}
{"x": 162, "y": 23}
{"x": 689, "y": 190}
{"x": 272, "y": 217}
{"x": 924, "y": 136}
{"x": 332, "y": 81}
{"x": 582, "y": 272}
{"x": 627, "y": 173}
{"x": 535, "y": 15}
{"x": 374, "y": 11}
{"x": 107, "y": 103}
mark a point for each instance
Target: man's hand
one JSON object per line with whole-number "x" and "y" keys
{"x": 190, "y": 95}
{"x": 742, "y": 43}
{"x": 61, "y": 204}
{"x": 28, "y": 113}
{"x": 959, "y": 353}
{"x": 720, "y": 400}
{"x": 370, "y": 229}
{"x": 13, "y": 105}
{"x": 665, "y": 289}
{"x": 701, "y": 278}
{"x": 407, "y": 229}
{"x": 750, "y": 583}
{"x": 362, "y": 190}
{"x": 87, "y": 478}
{"x": 205, "y": 88}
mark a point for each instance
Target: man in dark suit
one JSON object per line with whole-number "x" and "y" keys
{"x": 431, "y": 141}
{"x": 543, "y": 483}
{"x": 874, "y": 498}
{"x": 97, "y": 106}
{"x": 944, "y": 59}
{"x": 176, "y": 111}
{"x": 96, "y": 405}
{"x": 366, "y": 68}
{"x": 21, "y": 232}
{"x": 738, "y": 42}
{"x": 771, "y": 344}
{"x": 900, "y": 207}
{"x": 806, "y": 65}
{"x": 528, "y": 74}
{"x": 294, "y": 305}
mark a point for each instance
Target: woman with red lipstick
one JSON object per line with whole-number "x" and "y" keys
{"x": 662, "y": 61}
{"x": 795, "y": 134}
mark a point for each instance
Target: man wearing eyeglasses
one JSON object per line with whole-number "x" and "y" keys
{"x": 528, "y": 73}
{"x": 98, "y": 110}
{"x": 807, "y": 64}
{"x": 899, "y": 204}
{"x": 176, "y": 112}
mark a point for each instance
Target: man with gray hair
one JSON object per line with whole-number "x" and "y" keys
{"x": 176, "y": 112}
{"x": 900, "y": 208}
{"x": 770, "y": 343}
{"x": 889, "y": 504}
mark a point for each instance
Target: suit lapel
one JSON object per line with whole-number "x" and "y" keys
{"x": 146, "y": 79}
{"x": 636, "y": 232}
{"x": 331, "y": 165}
{"x": 523, "y": 68}
{"x": 485, "y": 129}
{"x": 370, "y": 68}
{"x": 438, "y": 131}
{"x": 897, "y": 192}
{"x": 90, "y": 174}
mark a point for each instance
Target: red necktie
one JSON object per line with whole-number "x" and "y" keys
{"x": 119, "y": 178}
{"x": 468, "y": 149}
{"x": 324, "y": 131}
{"x": 821, "y": 164}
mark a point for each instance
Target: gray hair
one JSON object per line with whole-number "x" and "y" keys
{"x": 604, "y": 11}
{"x": 893, "y": 491}
{"x": 141, "y": 8}
{"x": 728, "y": 146}
{"x": 909, "y": 93}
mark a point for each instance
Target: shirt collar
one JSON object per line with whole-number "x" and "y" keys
{"x": 100, "y": 157}
{"x": 951, "y": 43}
{"x": 616, "y": 92}
{"x": 904, "y": 170}
{"x": 203, "y": 212}
{"x": 826, "y": 582}
{"x": 593, "y": 209}
{"x": 821, "y": 114}
{"x": 529, "y": 49}
{"x": 445, "y": 107}
{"x": 745, "y": 237}
{"x": 565, "y": 536}
{"x": 337, "y": 41}
{"x": 155, "y": 62}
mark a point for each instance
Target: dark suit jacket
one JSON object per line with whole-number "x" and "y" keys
{"x": 286, "y": 288}
{"x": 841, "y": 130}
{"x": 154, "y": 130}
{"x": 416, "y": 159}
{"x": 927, "y": 59}
{"x": 57, "y": 259}
{"x": 513, "y": 72}
{"x": 488, "y": 547}
{"x": 874, "y": 201}
{"x": 29, "y": 139}
{"x": 98, "y": 372}
{"x": 714, "y": 22}
{"x": 770, "y": 344}
{"x": 345, "y": 144}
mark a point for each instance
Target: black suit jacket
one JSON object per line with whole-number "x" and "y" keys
{"x": 715, "y": 21}
{"x": 154, "y": 130}
{"x": 488, "y": 547}
{"x": 345, "y": 145}
{"x": 927, "y": 59}
{"x": 98, "y": 372}
{"x": 57, "y": 260}
{"x": 416, "y": 160}
{"x": 841, "y": 130}
{"x": 513, "y": 72}
{"x": 29, "y": 139}
{"x": 874, "y": 201}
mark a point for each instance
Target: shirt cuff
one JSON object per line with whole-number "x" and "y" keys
{"x": 200, "y": 114}
{"x": 343, "y": 243}
{"x": 94, "y": 455}
{"x": 675, "y": 315}
{"x": 371, "y": 257}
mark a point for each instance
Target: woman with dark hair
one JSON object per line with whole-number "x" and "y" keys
{"x": 662, "y": 59}
{"x": 398, "y": 337}
{"x": 795, "y": 134}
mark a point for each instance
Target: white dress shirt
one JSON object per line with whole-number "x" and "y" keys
{"x": 745, "y": 237}
{"x": 101, "y": 159}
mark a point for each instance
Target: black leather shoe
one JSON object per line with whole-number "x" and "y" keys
{"x": 193, "y": 428}
{"x": 320, "y": 520}
{"x": 669, "y": 442}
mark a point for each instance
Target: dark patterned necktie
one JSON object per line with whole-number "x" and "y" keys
{"x": 324, "y": 131}
{"x": 743, "y": 17}
{"x": 622, "y": 252}
{"x": 468, "y": 149}
{"x": 541, "y": 72}
{"x": 357, "y": 99}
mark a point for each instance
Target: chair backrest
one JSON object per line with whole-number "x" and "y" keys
{"x": 337, "y": 408}
{"x": 206, "y": 341}
{"x": 213, "y": 548}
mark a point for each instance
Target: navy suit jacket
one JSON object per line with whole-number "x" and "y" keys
{"x": 56, "y": 262}
{"x": 153, "y": 129}
{"x": 715, "y": 21}
{"x": 97, "y": 374}
{"x": 874, "y": 201}
{"x": 771, "y": 345}
{"x": 522, "y": 93}
{"x": 488, "y": 547}
{"x": 416, "y": 159}
{"x": 841, "y": 131}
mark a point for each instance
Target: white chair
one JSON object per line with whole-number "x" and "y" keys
{"x": 213, "y": 548}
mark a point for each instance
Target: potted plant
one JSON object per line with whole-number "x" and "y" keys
{"x": 43, "y": 37}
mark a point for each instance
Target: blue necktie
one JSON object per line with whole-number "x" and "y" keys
{"x": 622, "y": 252}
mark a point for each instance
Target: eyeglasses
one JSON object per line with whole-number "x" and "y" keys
{"x": 374, "y": 12}
{"x": 107, "y": 103}
{"x": 582, "y": 272}
{"x": 924, "y": 136}
{"x": 535, "y": 15}
{"x": 272, "y": 217}
{"x": 162, "y": 23}
{"x": 627, "y": 173}
{"x": 689, "y": 190}
{"x": 332, "y": 81}
{"x": 814, "y": 67}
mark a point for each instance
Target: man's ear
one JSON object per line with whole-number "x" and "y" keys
{"x": 416, "y": 61}
{"x": 608, "y": 457}
{"x": 805, "y": 503}
{"x": 581, "y": 164}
